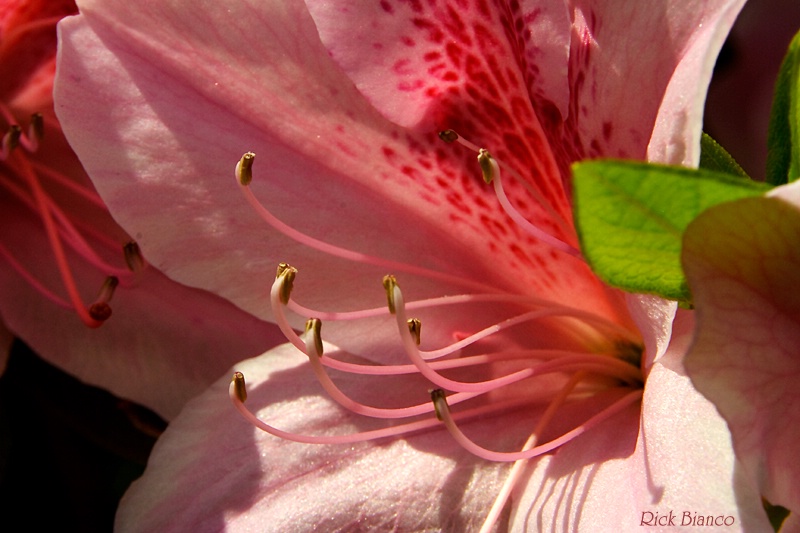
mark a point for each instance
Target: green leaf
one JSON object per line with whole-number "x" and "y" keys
{"x": 631, "y": 217}
{"x": 783, "y": 141}
{"x": 714, "y": 157}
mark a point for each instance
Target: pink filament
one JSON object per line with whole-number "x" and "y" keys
{"x": 393, "y": 431}
{"x": 344, "y": 253}
{"x": 558, "y": 219}
{"x": 55, "y": 242}
{"x": 490, "y": 455}
{"x": 518, "y": 466}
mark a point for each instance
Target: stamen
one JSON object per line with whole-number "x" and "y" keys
{"x": 239, "y": 387}
{"x": 591, "y": 320}
{"x": 100, "y": 310}
{"x": 46, "y": 214}
{"x": 600, "y": 364}
{"x": 518, "y": 466}
{"x": 35, "y": 131}
{"x": 389, "y": 283}
{"x": 562, "y": 221}
{"x": 133, "y": 257}
{"x": 314, "y": 339}
{"x": 237, "y": 391}
{"x": 243, "y": 174}
{"x": 448, "y": 136}
{"x": 286, "y": 274}
{"x": 487, "y": 164}
{"x": 491, "y": 174}
{"x": 10, "y": 141}
{"x": 415, "y": 328}
{"x": 244, "y": 169}
{"x": 313, "y": 349}
{"x": 443, "y": 412}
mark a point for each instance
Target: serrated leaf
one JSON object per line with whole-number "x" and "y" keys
{"x": 783, "y": 141}
{"x": 631, "y": 217}
{"x": 715, "y": 158}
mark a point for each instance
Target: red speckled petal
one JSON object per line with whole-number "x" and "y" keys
{"x": 590, "y": 75}
{"x": 469, "y": 66}
{"x": 742, "y": 263}
{"x": 160, "y": 102}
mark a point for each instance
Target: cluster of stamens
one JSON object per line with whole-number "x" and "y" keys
{"x": 24, "y": 178}
{"x": 579, "y": 374}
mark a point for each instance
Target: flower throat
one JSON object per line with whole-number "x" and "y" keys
{"x": 545, "y": 379}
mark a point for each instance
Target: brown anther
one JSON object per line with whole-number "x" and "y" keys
{"x": 415, "y": 327}
{"x": 448, "y": 136}
{"x": 314, "y": 327}
{"x": 244, "y": 169}
{"x": 286, "y": 273}
{"x": 107, "y": 289}
{"x": 36, "y": 127}
{"x": 439, "y": 402}
{"x": 11, "y": 138}
{"x": 133, "y": 257}
{"x": 239, "y": 387}
{"x": 389, "y": 283}
{"x": 486, "y": 163}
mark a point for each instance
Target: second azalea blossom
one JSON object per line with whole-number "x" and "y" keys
{"x": 63, "y": 257}
{"x": 353, "y": 182}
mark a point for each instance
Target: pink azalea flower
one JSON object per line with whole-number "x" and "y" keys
{"x": 740, "y": 258}
{"x": 60, "y": 248}
{"x": 343, "y": 103}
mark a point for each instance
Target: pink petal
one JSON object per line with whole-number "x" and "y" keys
{"x": 674, "y": 457}
{"x": 741, "y": 260}
{"x": 172, "y": 110}
{"x": 698, "y": 32}
{"x": 211, "y": 470}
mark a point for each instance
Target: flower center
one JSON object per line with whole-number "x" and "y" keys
{"x": 36, "y": 187}
{"x": 597, "y": 373}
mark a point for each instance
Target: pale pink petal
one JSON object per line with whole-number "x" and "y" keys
{"x": 211, "y": 470}
{"x": 653, "y": 317}
{"x": 698, "y": 32}
{"x": 175, "y": 101}
{"x": 742, "y": 263}
{"x": 634, "y": 63}
{"x": 674, "y": 457}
